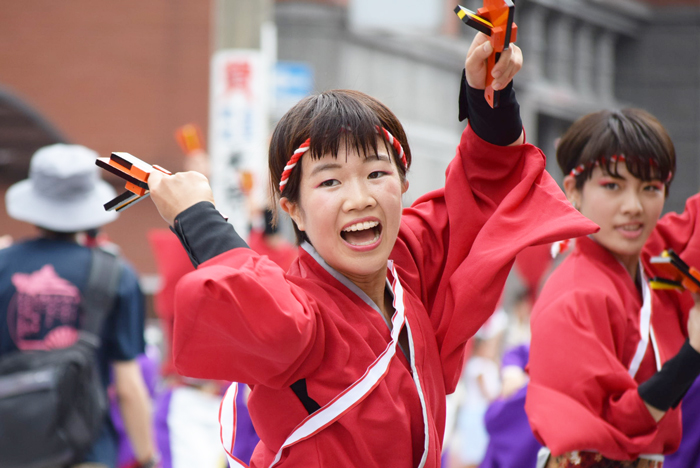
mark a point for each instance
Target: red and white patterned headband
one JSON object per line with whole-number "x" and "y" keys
{"x": 614, "y": 158}
{"x": 582, "y": 167}
{"x": 304, "y": 147}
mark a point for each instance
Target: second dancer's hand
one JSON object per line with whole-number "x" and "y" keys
{"x": 694, "y": 324}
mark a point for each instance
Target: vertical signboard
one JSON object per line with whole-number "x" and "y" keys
{"x": 238, "y": 131}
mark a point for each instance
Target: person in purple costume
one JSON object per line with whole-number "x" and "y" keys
{"x": 688, "y": 453}
{"x": 149, "y": 363}
{"x": 246, "y": 437}
{"x": 511, "y": 442}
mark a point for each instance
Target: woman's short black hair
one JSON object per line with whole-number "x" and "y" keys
{"x": 637, "y": 135}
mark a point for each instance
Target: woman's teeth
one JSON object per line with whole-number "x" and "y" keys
{"x": 364, "y": 233}
{"x": 631, "y": 227}
{"x": 361, "y": 226}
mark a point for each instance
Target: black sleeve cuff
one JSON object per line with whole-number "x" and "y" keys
{"x": 500, "y": 126}
{"x": 667, "y": 387}
{"x": 204, "y": 233}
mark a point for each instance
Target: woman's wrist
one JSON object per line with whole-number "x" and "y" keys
{"x": 695, "y": 345}
{"x": 666, "y": 388}
{"x": 500, "y": 126}
{"x": 205, "y": 233}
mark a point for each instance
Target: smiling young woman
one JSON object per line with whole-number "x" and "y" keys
{"x": 610, "y": 359}
{"x": 350, "y": 352}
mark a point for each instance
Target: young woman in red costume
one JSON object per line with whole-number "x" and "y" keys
{"x": 350, "y": 352}
{"x": 610, "y": 359}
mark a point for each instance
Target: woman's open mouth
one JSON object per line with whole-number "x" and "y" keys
{"x": 362, "y": 234}
{"x": 631, "y": 230}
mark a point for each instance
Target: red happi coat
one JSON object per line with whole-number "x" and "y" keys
{"x": 585, "y": 335}
{"x": 240, "y": 317}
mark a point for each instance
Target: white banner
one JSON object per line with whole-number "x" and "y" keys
{"x": 238, "y": 132}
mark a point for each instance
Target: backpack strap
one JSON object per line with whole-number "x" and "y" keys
{"x": 98, "y": 298}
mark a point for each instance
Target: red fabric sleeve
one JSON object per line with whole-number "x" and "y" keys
{"x": 680, "y": 233}
{"x": 580, "y": 395}
{"x": 456, "y": 245}
{"x": 214, "y": 321}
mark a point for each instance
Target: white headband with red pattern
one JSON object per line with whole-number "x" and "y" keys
{"x": 578, "y": 170}
{"x": 304, "y": 147}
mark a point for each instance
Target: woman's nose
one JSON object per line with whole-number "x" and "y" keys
{"x": 358, "y": 196}
{"x": 632, "y": 202}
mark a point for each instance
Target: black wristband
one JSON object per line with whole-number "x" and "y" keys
{"x": 204, "y": 233}
{"x": 500, "y": 126}
{"x": 667, "y": 387}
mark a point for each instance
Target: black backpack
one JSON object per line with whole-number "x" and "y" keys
{"x": 53, "y": 403}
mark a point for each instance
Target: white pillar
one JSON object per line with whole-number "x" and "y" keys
{"x": 605, "y": 65}
{"x": 584, "y": 68}
{"x": 562, "y": 60}
{"x": 533, "y": 37}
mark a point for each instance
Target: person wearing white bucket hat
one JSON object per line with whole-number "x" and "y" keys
{"x": 43, "y": 279}
{"x": 64, "y": 192}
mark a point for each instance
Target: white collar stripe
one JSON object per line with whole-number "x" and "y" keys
{"x": 343, "y": 402}
{"x": 644, "y": 327}
{"x": 227, "y": 425}
{"x": 359, "y": 390}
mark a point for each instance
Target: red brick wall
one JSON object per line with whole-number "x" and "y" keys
{"x": 114, "y": 76}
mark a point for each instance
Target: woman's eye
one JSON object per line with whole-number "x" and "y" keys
{"x": 653, "y": 188}
{"x": 610, "y": 185}
{"x": 376, "y": 174}
{"x": 328, "y": 183}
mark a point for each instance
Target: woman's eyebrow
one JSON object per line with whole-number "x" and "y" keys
{"x": 335, "y": 165}
{"x": 618, "y": 176}
{"x": 381, "y": 157}
{"x": 325, "y": 167}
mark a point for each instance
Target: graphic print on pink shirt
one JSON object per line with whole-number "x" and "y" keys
{"x": 43, "y": 314}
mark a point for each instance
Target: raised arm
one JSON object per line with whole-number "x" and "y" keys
{"x": 457, "y": 244}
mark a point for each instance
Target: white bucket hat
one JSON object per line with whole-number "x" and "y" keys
{"x": 64, "y": 192}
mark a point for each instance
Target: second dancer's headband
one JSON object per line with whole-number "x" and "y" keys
{"x": 578, "y": 170}
{"x": 304, "y": 147}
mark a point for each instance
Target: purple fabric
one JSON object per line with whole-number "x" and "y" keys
{"x": 516, "y": 356}
{"x": 511, "y": 442}
{"x": 688, "y": 454}
{"x": 149, "y": 370}
{"x": 246, "y": 437}
{"x": 161, "y": 408}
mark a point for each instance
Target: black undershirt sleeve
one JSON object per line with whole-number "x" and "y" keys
{"x": 204, "y": 233}
{"x": 500, "y": 126}
{"x": 667, "y": 387}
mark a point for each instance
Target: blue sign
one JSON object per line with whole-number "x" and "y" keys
{"x": 294, "y": 81}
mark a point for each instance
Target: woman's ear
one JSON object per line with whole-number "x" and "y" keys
{"x": 404, "y": 186}
{"x": 572, "y": 193}
{"x": 294, "y": 212}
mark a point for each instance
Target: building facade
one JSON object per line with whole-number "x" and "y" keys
{"x": 124, "y": 76}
